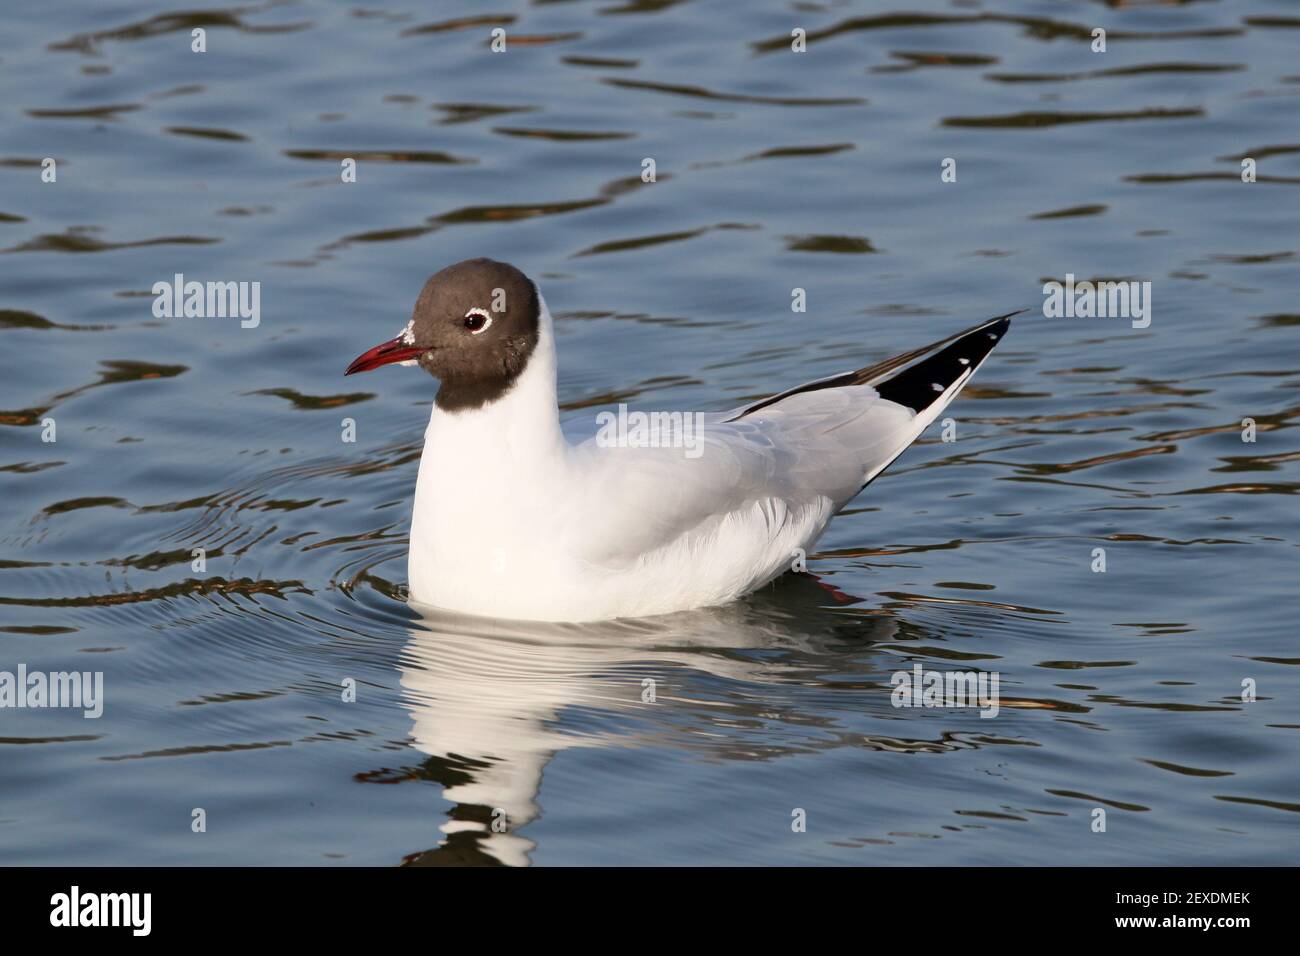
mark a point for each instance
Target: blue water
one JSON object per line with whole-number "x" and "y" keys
{"x": 474, "y": 741}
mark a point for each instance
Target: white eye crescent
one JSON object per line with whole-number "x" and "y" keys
{"x": 477, "y": 321}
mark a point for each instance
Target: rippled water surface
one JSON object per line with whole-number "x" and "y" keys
{"x": 1121, "y": 691}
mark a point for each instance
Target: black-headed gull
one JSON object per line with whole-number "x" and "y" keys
{"x": 513, "y": 520}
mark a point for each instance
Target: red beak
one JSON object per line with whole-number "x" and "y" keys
{"x": 394, "y": 350}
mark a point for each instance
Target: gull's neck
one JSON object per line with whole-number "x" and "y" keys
{"x": 522, "y": 427}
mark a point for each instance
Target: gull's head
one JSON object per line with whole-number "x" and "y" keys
{"x": 474, "y": 326}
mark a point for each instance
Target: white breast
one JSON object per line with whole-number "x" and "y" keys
{"x": 511, "y": 521}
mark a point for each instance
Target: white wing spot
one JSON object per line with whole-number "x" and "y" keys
{"x": 992, "y": 335}
{"x": 936, "y": 386}
{"x": 964, "y": 361}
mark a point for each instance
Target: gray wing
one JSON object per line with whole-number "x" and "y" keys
{"x": 809, "y": 449}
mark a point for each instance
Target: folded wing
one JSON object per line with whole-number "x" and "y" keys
{"x": 779, "y": 468}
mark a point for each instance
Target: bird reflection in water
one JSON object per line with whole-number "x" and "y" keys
{"x": 488, "y": 699}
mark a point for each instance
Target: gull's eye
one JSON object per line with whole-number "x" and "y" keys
{"x": 477, "y": 320}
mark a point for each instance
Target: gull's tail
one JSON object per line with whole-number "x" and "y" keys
{"x": 917, "y": 386}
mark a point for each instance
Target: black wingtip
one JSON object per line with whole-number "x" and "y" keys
{"x": 911, "y": 385}
{"x": 921, "y": 384}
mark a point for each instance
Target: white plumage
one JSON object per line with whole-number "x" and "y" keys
{"x": 512, "y": 520}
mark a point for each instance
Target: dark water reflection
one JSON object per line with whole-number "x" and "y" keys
{"x": 775, "y": 171}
